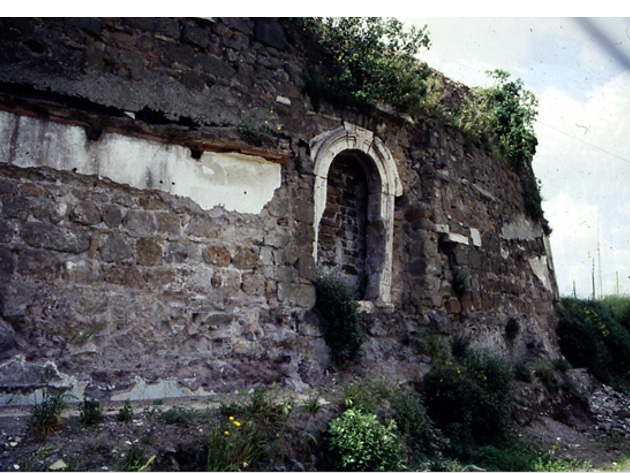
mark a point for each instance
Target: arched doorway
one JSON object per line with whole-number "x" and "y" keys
{"x": 354, "y": 167}
{"x": 342, "y": 232}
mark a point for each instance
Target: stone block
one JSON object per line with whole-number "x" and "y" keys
{"x": 217, "y": 256}
{"x": 194, "y": 34}
{"x": 270, "y": 33}
{"x": 299, "y": 294}
{"x": 307, "y": 268}
{"x": 180, "y": 252}
{"x": 148, "y": 252}
{"x": 245, "y": 258}
{"x": 225, "y": 278}
{"x": 254, "y": 284}
{"x": 116, "y": 247}
{"x": 125, "y": 275}
{"x": 140, "y": 221}
{"x": 112, "y": 215}
{"x": 303, "y": 211}
{"x": 6, "y": 231}
{"x": 203, "y": 227}
{"x": 15, "y": 206}
{"x": 7, "y": 263}
{"x": 52, "y": 237}
{"x": 38, "y": 263}
{"x": 168, "y": 223}
{"x": 85, "y": 213}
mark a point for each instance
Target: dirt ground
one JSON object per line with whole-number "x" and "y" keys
{"x": 178, "y": 443}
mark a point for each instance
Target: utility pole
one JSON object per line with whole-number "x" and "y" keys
{"x": 593, "y": 275}
{"x": 617, "y": 274}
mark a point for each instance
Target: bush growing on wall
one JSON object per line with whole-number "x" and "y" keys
{"x": 363, "y": 61}
{"x": 340, "y": 320}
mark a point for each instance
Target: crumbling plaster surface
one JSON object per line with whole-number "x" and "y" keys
{"x": 234, "y": 181}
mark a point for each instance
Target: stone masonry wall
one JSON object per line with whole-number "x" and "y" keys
{"x": 124, "y": 288}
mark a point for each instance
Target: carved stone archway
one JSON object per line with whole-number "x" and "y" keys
{"x": 384, "y": 186}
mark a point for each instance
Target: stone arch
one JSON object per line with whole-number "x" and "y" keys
{"x": 383, "y": 187}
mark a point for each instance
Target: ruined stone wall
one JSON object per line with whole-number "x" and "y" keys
{"x": 164, "y": 211}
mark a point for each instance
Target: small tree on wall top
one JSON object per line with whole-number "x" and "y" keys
{"x": 363, "y": 61}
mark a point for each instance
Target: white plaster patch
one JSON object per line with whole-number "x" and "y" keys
{"x": 541, "y": 270}
{"x": 161, "y": 390}
{"x": 235, "y": 181}
{"x": 521, "y": 228}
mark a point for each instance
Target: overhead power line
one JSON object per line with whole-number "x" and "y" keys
{"x": 587, "y": 143}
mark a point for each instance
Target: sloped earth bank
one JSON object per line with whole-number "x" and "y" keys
{"x": 583, "y": 419}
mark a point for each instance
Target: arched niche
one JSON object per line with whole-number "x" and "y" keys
{"x": 383, "y": 187}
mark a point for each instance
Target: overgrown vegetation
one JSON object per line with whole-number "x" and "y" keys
{"x": 341, "y": 322}
{"x": 504, "y": 115}
{"x": 592, "y": 335}
{"x": 365, "y": 61}
{"x": 469, "y": 399}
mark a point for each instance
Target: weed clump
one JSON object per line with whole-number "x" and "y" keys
{"x": 125, "y": 413}
{"x": 90, "y": 411}
{"x": 46, "y": 415}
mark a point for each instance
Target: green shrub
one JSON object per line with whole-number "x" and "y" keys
{"x": 90, "y": 411}
{"x": 413, "y": 421}
{"x": 620, "y": 306}
{"x": 470, "y": 400}
{"x": 125, "y": 414}
{"x": 341, "y": 321}
{"x": 364, "y": 61}
{"x": 46, "y": 415}
{"x": 511, "y": 455}
{"x": 591, "y": 336}
{"x": 178, "y": 415}
{"x": 522, "y": 372}
{"x": 544, "y": 370}
{"x": 359, "y": 442}
{"x": 512, "y": 328}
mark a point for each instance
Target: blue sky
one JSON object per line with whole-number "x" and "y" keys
{"x": 580, "y": 71}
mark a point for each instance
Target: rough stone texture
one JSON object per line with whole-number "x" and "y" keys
{"x": 117, "y": 284}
